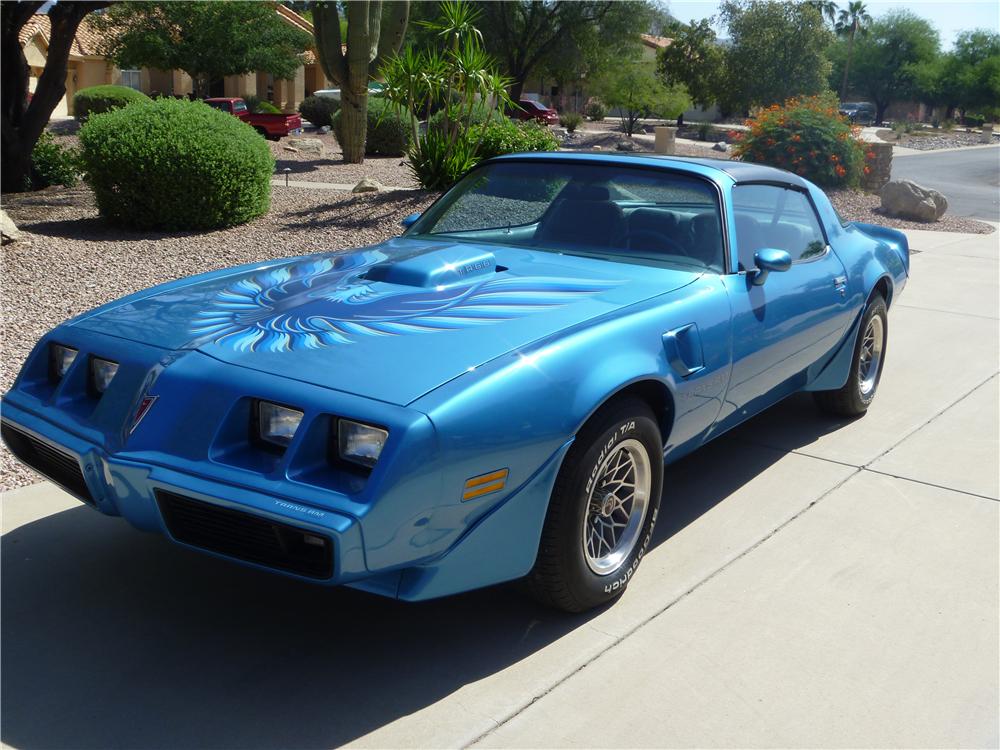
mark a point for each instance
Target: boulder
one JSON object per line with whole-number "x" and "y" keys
{"x": 367, "y": 185}
{"x": 625, "y": 145}
{"x": 8, "y": 229}
{"x": 908, "y": 200}
{"x": 309, "y": 145}
{"x": 323, "y": 129}
{"x": 291, "y": 148}
{"x": 721, "y": 146}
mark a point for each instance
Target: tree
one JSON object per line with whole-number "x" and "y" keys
{"x": 850, "y": 23}
{"x": 588, "y": 50}
{"x": 977, "y": 59}
{"x": 827, "y": 9}
{"x": 887, "y": 60}
{"x": 21, "y": 121}
{"x": 778, "y": 51}
{"x": 370, "y": 40}
{"x": 694, "y": 60}
{"x": 636, "y": 92}
{"x": 207, "y": 40}
{"x": 522, "y": 34}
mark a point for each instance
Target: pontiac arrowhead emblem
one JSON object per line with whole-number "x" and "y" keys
{"x": 144, "y": 406}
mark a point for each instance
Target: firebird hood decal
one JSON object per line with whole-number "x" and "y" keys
{"x": 375, "y": 321}
{"x": 316, "y": 304}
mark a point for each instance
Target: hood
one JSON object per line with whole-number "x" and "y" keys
{"x": 390, "y": 322}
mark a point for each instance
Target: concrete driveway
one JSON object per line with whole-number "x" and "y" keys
{"x": 812, "y": 583}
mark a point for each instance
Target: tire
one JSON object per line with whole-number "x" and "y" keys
{"x": 262, "y": 132}
{"x": 857, "y": 394}
{"x": 575, "y": 570}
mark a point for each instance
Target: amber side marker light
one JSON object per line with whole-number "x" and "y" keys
{"x": 485, "y": 484}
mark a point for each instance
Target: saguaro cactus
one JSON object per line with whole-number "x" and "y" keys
{"x": 371, "y": 36}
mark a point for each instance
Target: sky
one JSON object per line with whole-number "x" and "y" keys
{"x": 949, "y": 17}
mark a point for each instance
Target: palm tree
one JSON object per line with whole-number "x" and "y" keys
{"x": 827, "y": 9}
{"x": 850, "y": 22}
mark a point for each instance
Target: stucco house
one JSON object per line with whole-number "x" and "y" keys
{"x": 87, "y": 67}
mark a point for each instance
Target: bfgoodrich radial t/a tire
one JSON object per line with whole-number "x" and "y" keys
{"x": 603, "y": 509}
{"x": 859, "y": 391}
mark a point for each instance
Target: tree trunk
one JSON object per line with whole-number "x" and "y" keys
{"x": 353, "y": 124}
{"x": 515, "y": 90}
{"x": 21, "y": 123}
{"x": 847, "y": 66}
{"x": 880, "y": 108}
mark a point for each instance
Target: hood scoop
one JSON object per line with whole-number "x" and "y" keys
{"x": 446, "y": 266}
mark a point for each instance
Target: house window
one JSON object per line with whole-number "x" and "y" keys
{"x": 131, "y": 78}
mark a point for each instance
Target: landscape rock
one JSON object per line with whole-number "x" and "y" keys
{"x": 367, "y": 185}
{"x": 721, "y": 146}
{"x": 625, "y": 145}
{"x": 8, "y": 230}
{"x": 292, "y": 149}
{"x": 309, "y": 145}
{"x": 323, "y": 129}
{"x": 908, "y": 200}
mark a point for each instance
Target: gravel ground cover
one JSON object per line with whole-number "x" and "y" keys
{"x": 70, "y": 261}
{"x": 931, "y": 140}
{"x": 391, "y": 171}
{"x": 854, "y": 205}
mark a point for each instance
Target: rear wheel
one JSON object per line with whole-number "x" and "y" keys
{"x": 859, "y": 391}
{"x": 602, "y": 510}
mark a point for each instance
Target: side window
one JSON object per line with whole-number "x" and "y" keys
{"x": 770, "y": 216}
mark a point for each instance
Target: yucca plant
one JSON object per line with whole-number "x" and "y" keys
{"x": 457, "y": 79}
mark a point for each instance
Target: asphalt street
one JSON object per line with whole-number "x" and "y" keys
{"x": 969, "y": 178}
{"x": 812, "y": 582}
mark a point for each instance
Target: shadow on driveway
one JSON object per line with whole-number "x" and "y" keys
{"x": 114, "y": 638}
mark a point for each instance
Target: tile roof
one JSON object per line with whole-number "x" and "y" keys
{"x": 656, "y": 41}
{"x": 86, "y": 43}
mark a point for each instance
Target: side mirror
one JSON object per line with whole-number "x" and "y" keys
{"x": 409, "y": 221}
{"x": 770, "y": 259}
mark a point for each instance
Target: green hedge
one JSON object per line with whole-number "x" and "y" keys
{"x": 506, "y": 136}
{"x": 319, "y": 110}
{"x": 53, "y": 163}
{"x": 97, "y": 99}
{"x": 176, "y": 164}
{"x": 388, "y": 133}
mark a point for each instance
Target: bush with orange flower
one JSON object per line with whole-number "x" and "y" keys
{"x": 806, "y": 136}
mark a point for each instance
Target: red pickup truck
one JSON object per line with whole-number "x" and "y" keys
{"x": 271, "y": 127}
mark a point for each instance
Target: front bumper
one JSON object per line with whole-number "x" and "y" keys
{"x": 256, "y": 528}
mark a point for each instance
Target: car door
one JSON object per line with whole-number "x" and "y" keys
{"x": 795, "y": 318}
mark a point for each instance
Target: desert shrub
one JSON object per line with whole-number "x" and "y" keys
{"x": 476, "y": 115}
{"x": 806, "y": 136}
{"x": 388, "y": 131}
{"x": 97, "y": 99}
{"x": 265, "y": 108}
{"x": 704, "y": 130}
{"x": 504, "y": 136}
{"x": 594, "y": 109}
{"x": 53, "y": 163}
{"x": 973, "y": 119}
{"x": 439, "y": 162}
{"x": 947, "y": 125}
{"x": 319, "y": 110}
{"x": 571, "y": 121}
{"x": 175, "y": 164}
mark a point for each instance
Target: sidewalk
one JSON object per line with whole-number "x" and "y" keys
{"x": 810, "y": 583}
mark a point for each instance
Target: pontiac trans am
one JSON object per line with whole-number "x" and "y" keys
{"x": 490, "y": 396}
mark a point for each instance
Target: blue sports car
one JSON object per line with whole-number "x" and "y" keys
{"x": 490, "y": 396}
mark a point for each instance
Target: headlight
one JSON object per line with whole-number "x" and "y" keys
{"x": 360, "y": 443}
{"x": 277, "y": 424}
{"x": 102, "y": 372}
{"x": 60, "y": 359}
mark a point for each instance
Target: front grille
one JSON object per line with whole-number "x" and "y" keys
{"x": 60, "y": 466}
{"x": 245, "y": 536}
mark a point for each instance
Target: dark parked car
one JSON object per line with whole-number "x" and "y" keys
{"x": 860, "y": 113}
{"x": 529, "y": 109}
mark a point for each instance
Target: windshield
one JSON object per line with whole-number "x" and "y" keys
{"x": 609, "y": 211}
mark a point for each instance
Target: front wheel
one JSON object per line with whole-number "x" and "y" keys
{"x": 857, "y": 394}
{"x": 602, "y": 510}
